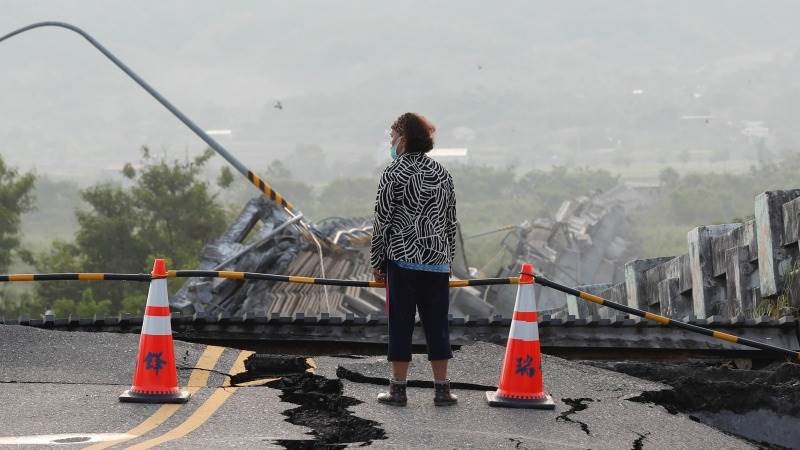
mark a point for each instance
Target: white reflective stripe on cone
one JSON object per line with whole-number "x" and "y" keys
{"x": 524, "y": 331}
{"x": 157, "y": 325}
{"x": 525, "y": 301}
{"x": 157, "y": 294}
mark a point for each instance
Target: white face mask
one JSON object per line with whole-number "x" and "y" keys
{"x": 393, "y": 150}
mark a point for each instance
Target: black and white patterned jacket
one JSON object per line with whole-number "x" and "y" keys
{"x": 415, "y": 213}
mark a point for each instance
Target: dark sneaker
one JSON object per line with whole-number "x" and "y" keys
{"x": 396, "y": 395}
{"x": 443, "y": 397}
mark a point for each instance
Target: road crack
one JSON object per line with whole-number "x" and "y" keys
{"x": 518, "y": 444}
{"x": 356, "y": 377}
{"x": 324, "y": 409}
{"x": 638, "y": 444}
{"x": 576, "y": 405}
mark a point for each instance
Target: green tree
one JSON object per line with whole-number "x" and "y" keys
{"x": 168, "y": 211}
{"x": 16, "y": 303}
{"x": 87, "y": 306}
{"x": 108, "y": 238}
{"x": 60, "y": 257}
{"x": 134, "y": 304}
{"x": 15, "y": 199}
{"x": 176, "y": 211}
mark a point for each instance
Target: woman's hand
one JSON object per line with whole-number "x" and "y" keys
{"x": 378, "y": 275}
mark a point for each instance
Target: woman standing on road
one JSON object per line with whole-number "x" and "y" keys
{"x": 413, "y": 245}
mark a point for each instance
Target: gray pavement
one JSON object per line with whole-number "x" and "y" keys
{"x": 67, "y": 384}
{"x": 612, "y": 421}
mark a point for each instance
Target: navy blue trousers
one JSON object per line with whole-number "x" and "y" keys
{"x": 428, "y": 292}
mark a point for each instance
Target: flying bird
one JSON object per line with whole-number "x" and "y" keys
{"x": 278, "y": 105}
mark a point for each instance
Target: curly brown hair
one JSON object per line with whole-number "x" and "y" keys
{"x": 416, "y": 130}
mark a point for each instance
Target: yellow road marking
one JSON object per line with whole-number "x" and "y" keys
{"x": 207, "y": 361}
{"x": 201, "y": 414}
{"x": 197, "y": 379}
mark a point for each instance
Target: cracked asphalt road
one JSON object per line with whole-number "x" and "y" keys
{"x": 67, "y": 383}
{"x": 612, "y": 421}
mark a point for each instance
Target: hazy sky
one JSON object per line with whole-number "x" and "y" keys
{"x": 501, "y": 78}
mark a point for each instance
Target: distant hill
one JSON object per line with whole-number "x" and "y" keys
{"x": 516, "y": 82}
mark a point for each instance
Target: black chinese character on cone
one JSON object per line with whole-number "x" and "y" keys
{"x": 153, "y": 361}
{"x": 524, "y": 366}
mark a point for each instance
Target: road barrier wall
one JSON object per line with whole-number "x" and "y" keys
{"x": 736, "y": 270}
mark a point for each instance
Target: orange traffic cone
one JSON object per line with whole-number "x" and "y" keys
{"x": 521, "y": 383}
{"x": 155, "y": 378}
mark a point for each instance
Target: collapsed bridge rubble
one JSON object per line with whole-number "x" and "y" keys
{"x": 583, "y": 242}
{"x": 734, "y": 276}
{"x": 237, "y": 306}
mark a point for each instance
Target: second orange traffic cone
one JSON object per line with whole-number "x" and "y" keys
{"x": 521, "y": 384}
{"x": 155, "y": 378}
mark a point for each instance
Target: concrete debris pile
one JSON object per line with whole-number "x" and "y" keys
{"x": 584, "y": 242}
{"x": 264, "y": 238}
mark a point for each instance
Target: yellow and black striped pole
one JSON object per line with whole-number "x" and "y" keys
{"x": 665, "y": 320}
{"x": 323, "y": 281}
{"x": 264, "y": 187}
{"x": 232, "y": 276}
{"x": 144, "y": 277}
{"x": 86, "y": 276}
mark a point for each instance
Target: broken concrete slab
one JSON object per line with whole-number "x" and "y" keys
{"x": 587, "y": 243}
{"x": 729, "y": 394}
